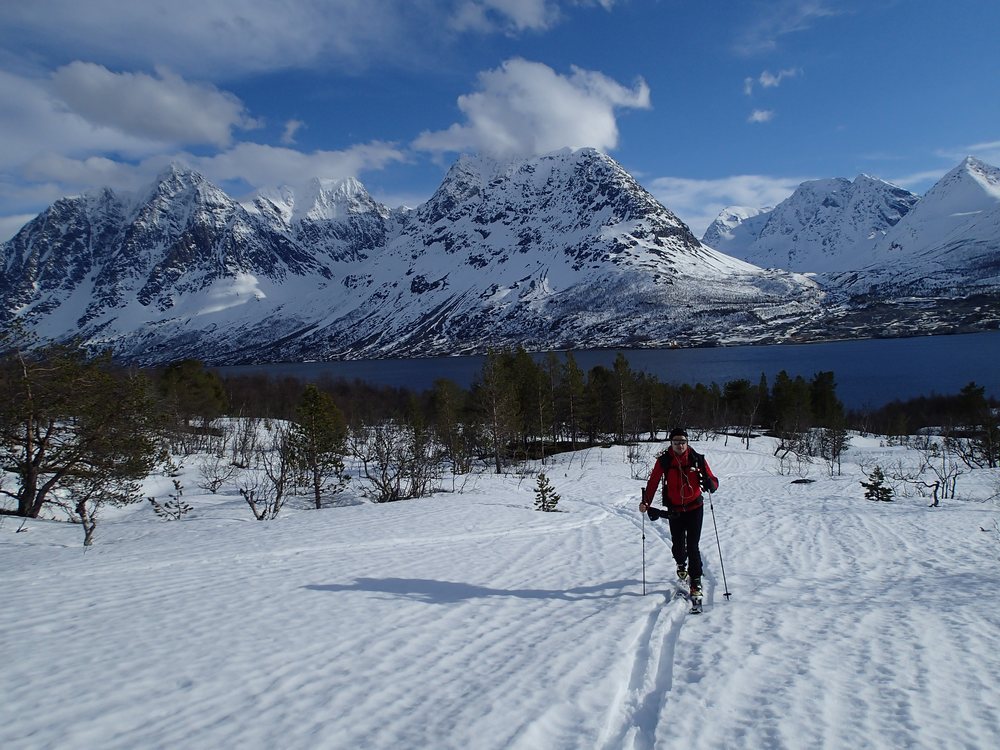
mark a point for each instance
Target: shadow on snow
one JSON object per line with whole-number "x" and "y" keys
{"x": 447, "y": 592}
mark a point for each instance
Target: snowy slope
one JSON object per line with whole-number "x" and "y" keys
{"x": 471, "y": 621}
{"x": 825, "y": 225}
{"x": 949, "y": 242}
{"x": 736, "y": 228}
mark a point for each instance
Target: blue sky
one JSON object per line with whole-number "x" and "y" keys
{"x": 708, "y": 103}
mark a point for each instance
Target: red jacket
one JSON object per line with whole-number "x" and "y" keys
{"x": 683, "y": 478}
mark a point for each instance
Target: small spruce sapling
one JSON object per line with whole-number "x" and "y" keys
{"x": 173, "y": 509}
{"x": 875, "y": 488}
{"x": 546, "y": 498}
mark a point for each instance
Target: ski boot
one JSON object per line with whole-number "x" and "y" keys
{"x": 696, "y": 596}
{"x": 682, "y": 573}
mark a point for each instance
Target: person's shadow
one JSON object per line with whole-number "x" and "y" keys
{"x": 448, "y": 592}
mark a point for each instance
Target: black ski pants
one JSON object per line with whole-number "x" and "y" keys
{"x": 685, "y": 534}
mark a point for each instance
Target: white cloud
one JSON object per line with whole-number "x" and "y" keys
{"x": 761, "y": 115}
{"x": 769, "y": 80}
{"x": 80, "y": 174}
{"x": 162, "y": 108}
{"x": 53, "y": 176}
{"x": 515, "y": 15}
{"x": 699, "y": 202}
{"x": 780, "y": 19}
{"x": 988, "y": 151}
{"x": 11, "y": 225}
{"x": 263, "y": 166}
{"x": 35, "y": 123}
{"x": 291, "y": 128}
{"x": 526, "y": 108}
{"x": 223, "y": 39}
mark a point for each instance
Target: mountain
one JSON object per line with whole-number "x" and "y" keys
{"x": 824, "y": 226}
{"x": 566, "y": 250}
{"x": 735, "y": 229}
{"x": 948, "y": 244}
{"x": 891, "y": 264}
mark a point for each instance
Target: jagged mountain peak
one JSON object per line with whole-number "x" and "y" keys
{"x": 562, "y": 182}
{"x": 733, "y": 225}
{"x": 319, "y": 199}
{"x": 826, "y": 225}
{"x": 562, "y": 250}
{"x": 972, "y": 179}
{"x": 961, "y": 211}
{"x": 175, "y": 178}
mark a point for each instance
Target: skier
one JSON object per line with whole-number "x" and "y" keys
{"x": 684, "y": 474}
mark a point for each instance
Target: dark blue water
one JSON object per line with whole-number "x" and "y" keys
{"x": 869, "y": 372}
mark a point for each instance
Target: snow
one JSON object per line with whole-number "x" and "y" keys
{"x": 469, "y": 620}
{"x": 825, "y": 225}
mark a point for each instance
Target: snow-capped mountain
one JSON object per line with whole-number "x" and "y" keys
{"x": 736, "y": 228}
{"x": 825, "y": 225}
{"x": 563, "y": 250}
{"x": 948, "y": 244}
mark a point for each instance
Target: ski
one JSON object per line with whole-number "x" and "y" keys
{"x": 696, "y": 605}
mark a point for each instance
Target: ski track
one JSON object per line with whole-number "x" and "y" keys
{"x": 475, "y": 622}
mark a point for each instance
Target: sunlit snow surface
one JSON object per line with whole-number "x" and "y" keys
{"x": 469, "y": 620}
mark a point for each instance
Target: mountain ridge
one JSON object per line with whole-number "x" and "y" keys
{"x": 562, "y": 251}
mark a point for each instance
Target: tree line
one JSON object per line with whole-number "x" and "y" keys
{"x": 79, "y": 431}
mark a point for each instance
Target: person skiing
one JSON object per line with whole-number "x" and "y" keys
{"x": 684, "y": 474}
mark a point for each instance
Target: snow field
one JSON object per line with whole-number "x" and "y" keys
{"x": 472, "y": 621}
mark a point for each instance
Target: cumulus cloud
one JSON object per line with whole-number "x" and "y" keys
{"x": 35, "y": 122}
{"x": 761, "y": 115}
{"x": 162, "y": 107}
{"x": 526, "y": 108}
{"x": 699, "y": 202}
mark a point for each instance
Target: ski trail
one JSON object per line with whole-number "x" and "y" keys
{"x": 639, "y": 704}
{"x": 633, "y": 721}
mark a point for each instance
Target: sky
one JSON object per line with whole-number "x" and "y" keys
{"x": 708, "y": 103}
{"x": 470, "y": 620}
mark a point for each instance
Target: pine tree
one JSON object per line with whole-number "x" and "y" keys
{"x": 73, "y": 426}
{"x": 876, "y": 488}
{"x": 317, "y": 442}
{"x": 173, "y": 509}
{"x": 546, "y": 498}
{"x": 193, "y": 392}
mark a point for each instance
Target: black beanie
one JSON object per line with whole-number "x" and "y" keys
{"x": 678, "y": 432}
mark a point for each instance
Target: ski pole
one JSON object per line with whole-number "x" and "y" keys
{"x": 719, "y": 545}
{"x": 643, "y": 544}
